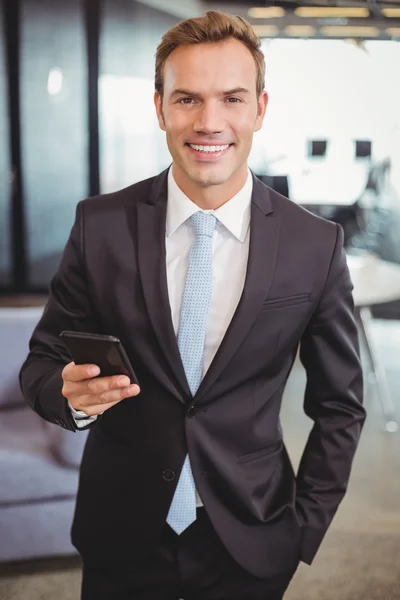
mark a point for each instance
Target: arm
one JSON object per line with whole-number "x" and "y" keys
{"x": 68, "y": 307}
{"x": 329, "y": 353}
{"x": 49, "y": 380}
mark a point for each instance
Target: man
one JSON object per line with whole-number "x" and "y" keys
{"x": 211, "y": 280}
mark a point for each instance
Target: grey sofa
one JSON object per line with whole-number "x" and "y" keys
{"x": 39, "y": 462}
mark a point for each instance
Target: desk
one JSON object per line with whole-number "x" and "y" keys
{"x": 322, "y": 182}
{"x": 375, "y": 282}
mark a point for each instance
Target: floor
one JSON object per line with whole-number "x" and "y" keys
{"x": 360, "y": 556}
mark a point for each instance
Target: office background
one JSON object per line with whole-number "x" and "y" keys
{"x": 77, "y": 119}
{"x": 76, "y": 116}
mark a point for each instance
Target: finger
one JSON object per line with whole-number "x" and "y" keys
{"x": 118, "y": 394}
{"x": 111, "y": 396}
{"x": 95, "y": 388}
{"x": 92, "y": 405}
{"x": 73, "y": 372}
{"x": 100, "y": 385}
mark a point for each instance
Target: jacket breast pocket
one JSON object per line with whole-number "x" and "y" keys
{"x": 271, "y": 303}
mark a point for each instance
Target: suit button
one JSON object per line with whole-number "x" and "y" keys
{"x": 168, "y": 475}
{"x": 191, "y": 412}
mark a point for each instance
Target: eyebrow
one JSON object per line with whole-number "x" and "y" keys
{"x": 236, "y": 90}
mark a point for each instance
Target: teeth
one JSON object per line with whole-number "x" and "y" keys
{"x": 209, "y": 148}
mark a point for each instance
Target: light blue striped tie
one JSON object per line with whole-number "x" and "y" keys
{"x": 192, "y": 329}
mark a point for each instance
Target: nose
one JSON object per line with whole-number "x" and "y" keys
{"x": 209, "y": 119}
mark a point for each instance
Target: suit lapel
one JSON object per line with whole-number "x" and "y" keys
{"x": 264, "y": 237}
{"x": 152, "y": 268}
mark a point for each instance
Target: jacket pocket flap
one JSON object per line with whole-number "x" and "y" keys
{"x": 269, "y": 451}
{"x": 286, "y": 301}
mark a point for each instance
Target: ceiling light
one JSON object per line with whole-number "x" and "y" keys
{"x": 300, "y": 30}
{"x": 331, "y": 11}
{"x": 348, "y": 31}
{"x": 55, "y": 81}
{"x": 393, "y": 31}
{"x": 265, "y": 30}
{"x": 266, "y": 12}
{"x": 391, "y": 12}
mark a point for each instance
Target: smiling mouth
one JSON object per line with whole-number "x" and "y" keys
{"x": 209, "y": 149}
{"x": 208, "y": 152}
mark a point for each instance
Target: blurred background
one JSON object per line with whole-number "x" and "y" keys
{"x": 77, "y": 116}
{"x": 77, "y": 119}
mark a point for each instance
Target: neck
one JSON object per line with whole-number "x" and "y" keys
{"x": 210, "y": 197}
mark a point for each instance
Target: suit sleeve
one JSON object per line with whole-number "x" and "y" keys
{"x": 68, "y": 307}
{"x": 329, "y": 352}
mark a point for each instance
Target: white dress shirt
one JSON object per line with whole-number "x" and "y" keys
{"x": 230, "y": 254}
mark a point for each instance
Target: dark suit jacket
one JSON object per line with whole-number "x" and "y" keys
{"x": 112, "y": 280}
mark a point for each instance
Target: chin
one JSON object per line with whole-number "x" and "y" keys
{"x": 210, "y": 178}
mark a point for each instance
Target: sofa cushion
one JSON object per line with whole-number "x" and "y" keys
{"x": 22, "y": 430}
{"x": 28, "y": 469}
{"x": 33, "y": 478}
{"x": 36, "y": 530}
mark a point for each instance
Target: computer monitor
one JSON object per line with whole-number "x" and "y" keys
{"x": 363, "y": 148}
{"x": 317, "y": 147}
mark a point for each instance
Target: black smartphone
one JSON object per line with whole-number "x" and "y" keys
{"x": 105, "y": 351}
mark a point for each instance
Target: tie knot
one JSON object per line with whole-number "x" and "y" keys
{"x": 203, "y": 223}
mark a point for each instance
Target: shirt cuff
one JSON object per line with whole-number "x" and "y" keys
{"x": 81, "y": 418}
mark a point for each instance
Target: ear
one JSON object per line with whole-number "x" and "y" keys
{"x": 262, "y": 104}
{"x": 158, "y": 105}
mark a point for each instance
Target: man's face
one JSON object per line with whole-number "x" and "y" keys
{"x": 210, "y": 111}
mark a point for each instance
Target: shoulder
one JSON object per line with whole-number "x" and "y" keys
{"x": 293, "y": 212}
{"x": 138, "y": 192}
{"x": 297, "y": 223}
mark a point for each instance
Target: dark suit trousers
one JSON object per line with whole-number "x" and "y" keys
{"x": 193, "y": 566}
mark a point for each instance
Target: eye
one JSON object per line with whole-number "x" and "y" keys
{"x": 233, "y": 100}
{"x": 185, "y": 100}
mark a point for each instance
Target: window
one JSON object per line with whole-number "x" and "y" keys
{"x": 5, "y": 173}
{"x": 132, "y": 147}
{"x": 53, "y": 128}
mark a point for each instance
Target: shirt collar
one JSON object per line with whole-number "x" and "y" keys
{"x": 234, "y": 214}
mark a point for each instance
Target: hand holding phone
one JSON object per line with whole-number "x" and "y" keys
{"x": 100, "y": 375}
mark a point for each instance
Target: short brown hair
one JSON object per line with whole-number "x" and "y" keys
{"x": 213, "y": 27}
